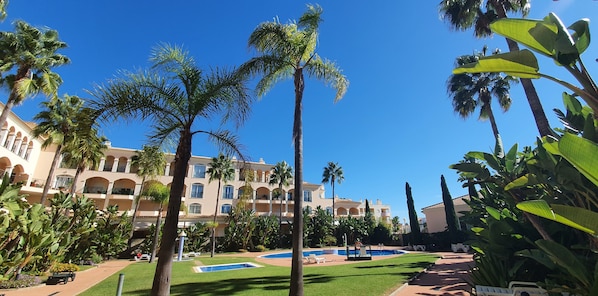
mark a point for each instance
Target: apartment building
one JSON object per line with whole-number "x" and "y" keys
{"x": 115, "y": 182}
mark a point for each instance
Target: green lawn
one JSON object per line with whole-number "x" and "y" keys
{"x": 378, "y": 277}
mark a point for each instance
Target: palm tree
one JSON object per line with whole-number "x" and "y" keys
{"x": 472, "y": 91}
{"x": 282, "y": 174}
{"x": 175, "y": 94}
{"x": 221, "y": 169}
{"x": 150, "y": 162}
{"x": 157, "y": 193}
{"x": 31, "y": 53}
{"x": 333, "y": 173}
{"x": 289, "y": 51}
{"x": 463, "y": 15}
{"x": 58, "y": 125}
{"x": 3, "y": 4}
{"x": 87, "y": 147}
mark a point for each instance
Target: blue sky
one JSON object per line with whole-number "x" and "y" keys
{"x": 394, "y": 125}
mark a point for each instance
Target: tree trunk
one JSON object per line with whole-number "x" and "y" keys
{"x": 296, "y": 288}
{"x": 156, "y": 235}
{"x": 6, "y": 110}
{"x": 528, "y": 86}
{"x": 493, "y": 122}
{"x": 280, "y": 214}
{"x": 76, "y": 179}
{"x": 214, "y": 222}
{"x": 134, "y": 218}
{"x": 51, "y": 174}
{"x": 333, "y": 208}
{"x": 161, "y": 283}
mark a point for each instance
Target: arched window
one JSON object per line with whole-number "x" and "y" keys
{"x": 197, "y": 190}
{"x": 226, "y": 208}
{"x": 195, "y": 208}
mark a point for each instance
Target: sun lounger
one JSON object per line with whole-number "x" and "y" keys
{"x": 515, "y": 288}
{"x": 313, "y": 259}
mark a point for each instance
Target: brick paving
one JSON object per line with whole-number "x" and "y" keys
{"x": 446, "y": 277}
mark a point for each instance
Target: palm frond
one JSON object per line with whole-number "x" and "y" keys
{"x": 328, "y": 72}
{"x": 226, "y": 142}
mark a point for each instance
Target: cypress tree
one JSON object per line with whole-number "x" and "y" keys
{"x": 449, "y": 209}
{"x": 413, "y": 221}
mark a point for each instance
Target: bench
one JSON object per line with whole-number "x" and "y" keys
{"x": 60, "y": 277}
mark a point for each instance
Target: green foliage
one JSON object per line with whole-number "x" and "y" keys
{"x": 449, "y": 210}
{"x": 64, "y": 267}
{"x": 197, "y": 237}
{"x": 318, "y": 226}
{"x": 413, "y": 221}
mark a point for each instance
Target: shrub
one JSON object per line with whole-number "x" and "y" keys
{"x": 260, "y": 248}
{"x": 64, "y": 267}
{"x": 23, "y": 282}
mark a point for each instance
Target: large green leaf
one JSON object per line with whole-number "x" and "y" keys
{"x": 581, "y": 35}
{"x": 566, "y": 259}
{"x": 535, "y": 34}
{"x": 521, "y": 63}
{"x": 523, "y": 181}
{"x": 542, "y": 209}
{"x": 582, "y": 153}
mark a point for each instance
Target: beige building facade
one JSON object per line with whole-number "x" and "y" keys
{"x": 115, "y": 182}
{"x": 436, "y": 217}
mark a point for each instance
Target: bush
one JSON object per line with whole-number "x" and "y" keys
{"x": 64, "y": 267}
{"x": 260, "y": 248}
{"x": 23, "y": 282}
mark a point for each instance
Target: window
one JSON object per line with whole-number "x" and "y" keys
{"x": 64, "y": 181}
{"x": 306, "y": 195}
{"x": 329, "y": 210}
{"x": 226, "y": 208}
{"x": 228, "y": 191}
{"x": 199, "y": 171}
{"x": 197, "y": 190}
{"x": 290, "y": 195}
{"x": 308, "y": 209}
{"x": 195, "y": 208}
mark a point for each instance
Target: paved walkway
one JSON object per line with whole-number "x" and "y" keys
{"x": 83, "y": 281}
{"x": 446, "y": 277}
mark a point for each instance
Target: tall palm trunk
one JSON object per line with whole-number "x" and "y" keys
{"x": 76, "y": 179}
{"x": 333, "y": 208}
{"x": 161, "y": 283}
{"x": 296, "y": 288}
{"x": 214, "y": 221}
{"x": 156, "y": 234}
{"x": 530, "y": 90}
{"x": 280, "y": 214}
{"x": 13, "y": 97}
{"x": 51, "y": 174}
{"x": 134, "y": 218}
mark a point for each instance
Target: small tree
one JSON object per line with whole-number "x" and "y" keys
{"x": 413, "y": 221}
{"x": 449, "y": 210}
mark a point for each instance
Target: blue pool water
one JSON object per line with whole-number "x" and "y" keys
{"x": 223, "y": 267}
{"x": 341, "y": 252}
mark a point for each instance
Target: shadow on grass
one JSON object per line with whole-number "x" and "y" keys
{"x": 419, "y": 265}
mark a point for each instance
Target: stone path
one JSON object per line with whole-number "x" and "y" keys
{"x": 446, "y": 277}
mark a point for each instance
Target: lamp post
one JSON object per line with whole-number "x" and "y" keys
{"x": 182, "y": 236}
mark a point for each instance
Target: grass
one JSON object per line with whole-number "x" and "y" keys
{"x": 379, "y": 277}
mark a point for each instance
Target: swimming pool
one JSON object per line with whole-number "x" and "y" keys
{"x": 341, "y": 252}
{"x": 223, "y": 267}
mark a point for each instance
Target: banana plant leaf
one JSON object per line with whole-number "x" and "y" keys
{"x": 581, "y": 153}
{"x": 578, "y": 218}
{"x": 521, "y": 63}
